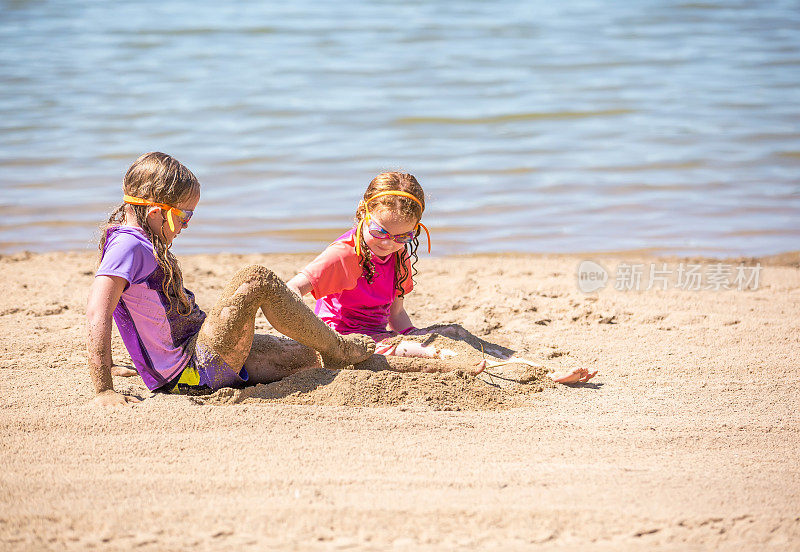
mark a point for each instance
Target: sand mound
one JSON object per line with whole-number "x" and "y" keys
{"x": 413, "y": 383}
{"x": 449, "y": 391}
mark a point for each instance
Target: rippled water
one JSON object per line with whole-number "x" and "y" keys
{"x": 571, "y": 126}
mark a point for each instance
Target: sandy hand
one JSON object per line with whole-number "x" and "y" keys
{"x": 578, "y": 375}
{"x": 113, "y": 399}
{"x": 353, "y": 348}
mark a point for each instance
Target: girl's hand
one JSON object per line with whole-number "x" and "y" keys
{"x": 398, "y": 317}
{"x": 113, "y": 399}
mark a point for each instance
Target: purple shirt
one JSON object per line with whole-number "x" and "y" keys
{"x": 156, "y": 336}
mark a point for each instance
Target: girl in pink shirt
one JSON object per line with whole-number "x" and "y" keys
{"x": 361, "y": 279}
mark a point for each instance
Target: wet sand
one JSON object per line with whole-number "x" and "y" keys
{"x": 688, "y": 439}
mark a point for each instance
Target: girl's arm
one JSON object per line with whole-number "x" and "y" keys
{"x": 300, "y": 285}
{"x": 398, "y": 317}
{"x": 103, "y": 298}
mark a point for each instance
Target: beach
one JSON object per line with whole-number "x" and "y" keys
{"x": 687, "y": 439}
{"x": 609, "y": 186}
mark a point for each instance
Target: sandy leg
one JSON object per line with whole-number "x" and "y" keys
{"x": 393, "y": 354}
{"x": 273, "y": 358}
{"x": 418, "y": 350}
{"x": 460, "y": 333}
{"x": 230, "y": 325}
{"x": 403, "y": 364}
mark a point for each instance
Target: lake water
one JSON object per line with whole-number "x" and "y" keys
{"x": 567, "y": 126}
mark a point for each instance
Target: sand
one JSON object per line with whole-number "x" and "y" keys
{"x": 688, "y": 439}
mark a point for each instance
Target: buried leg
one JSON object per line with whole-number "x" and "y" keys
{"x": 459, "y": 333}
{"x": 395, "y": 355}
{"x": 230, "y": 325}
{"x": 414, "y": 349}
{"x": 273, "y": 358}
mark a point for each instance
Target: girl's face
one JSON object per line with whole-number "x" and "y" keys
{"x": 157, "y": 219}
{"x": 394, "y": 223}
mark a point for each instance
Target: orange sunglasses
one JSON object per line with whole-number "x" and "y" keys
{"x": 183, "y": 216}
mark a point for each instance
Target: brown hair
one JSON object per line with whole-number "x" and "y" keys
{"x": 384, "y": 182}
{"x": 160, "y": 178}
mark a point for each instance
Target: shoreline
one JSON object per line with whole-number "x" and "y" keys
{"x": 785, "y": 258}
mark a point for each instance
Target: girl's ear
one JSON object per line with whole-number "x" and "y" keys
{"x": 152, "y": 209}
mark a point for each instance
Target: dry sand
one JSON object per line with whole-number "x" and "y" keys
{"x": 688, "y": 439}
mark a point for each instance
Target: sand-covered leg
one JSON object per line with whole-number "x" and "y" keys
{"x": 273, "y": 358}
{"x": 459, "y": 333}
{"x": 230, "y": 325}
{"x": 256, "y": 287}
{"x": 407, "y": 355}
{"x": 413, "y": 364}
{"x": 578, "y": 375}
{"x": 349, "y": 349}
{"x": 409, "y": 364}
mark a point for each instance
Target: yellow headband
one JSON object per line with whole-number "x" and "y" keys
{"x": 168, "y": 208}
{"x": 366, "y": 208}
{"x": 395, "y": 193}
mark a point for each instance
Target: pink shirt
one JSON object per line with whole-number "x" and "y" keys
{"x": 345, "y": 300}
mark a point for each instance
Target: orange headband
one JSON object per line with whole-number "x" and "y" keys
{"x": 168, "y": 208}
{"x": 394, "y": 193}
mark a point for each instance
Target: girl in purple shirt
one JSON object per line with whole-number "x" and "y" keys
{"x": 174, "y": 345}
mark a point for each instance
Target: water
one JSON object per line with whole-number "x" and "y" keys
{"x": 572, "y": 126}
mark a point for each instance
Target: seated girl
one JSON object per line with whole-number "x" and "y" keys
{"x": 361, "y": 279}
{"x": 174, "y": 345}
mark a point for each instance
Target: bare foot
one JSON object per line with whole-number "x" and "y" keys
{"x": 578, "y": 375}
{"x": 353, "y": 348}
{"x": 122, "y": 371}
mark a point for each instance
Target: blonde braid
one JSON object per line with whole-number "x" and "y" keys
{"x": 115, "y": 219}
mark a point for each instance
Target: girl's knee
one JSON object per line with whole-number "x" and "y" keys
{"x": 255, "y": 279}
{"x": 256, "y": 274}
